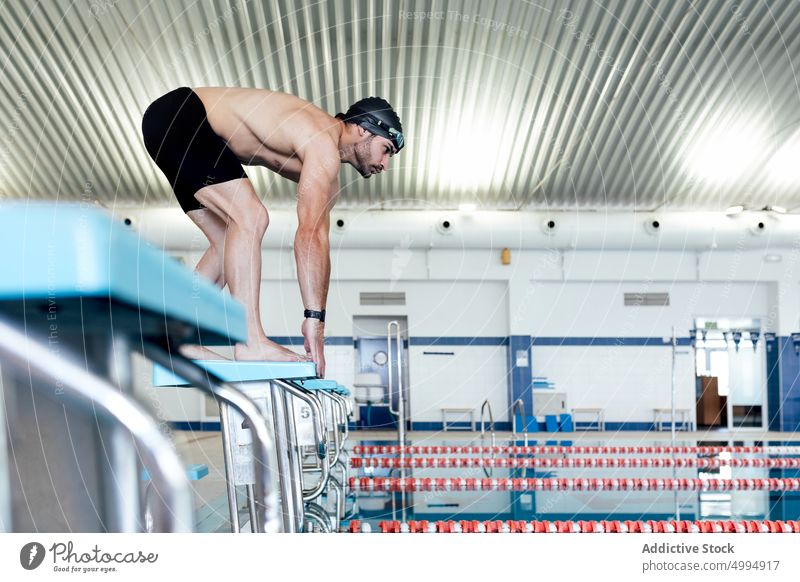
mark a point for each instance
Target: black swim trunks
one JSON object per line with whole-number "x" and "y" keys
{"x": 182, "y": 143}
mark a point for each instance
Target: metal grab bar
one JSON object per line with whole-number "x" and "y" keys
{"x": 94, "y": 393}
{"x": 486, "y": 404}
{"x": 338, "y": 489}
{"x": 316, "y": 514}
{"x": 341, "y": 404}
{"x": 265, "y": 495}
{"x": 518, "y": 403}
{"x": 330, "y": 403}
{"x": 400, "y": 412}
{"x": 319, "y": 436}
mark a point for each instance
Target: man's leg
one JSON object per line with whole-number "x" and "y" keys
{"x": 209, "y": 267}
{"x": 213, "y": 227}
{"x": 247, "y": 220}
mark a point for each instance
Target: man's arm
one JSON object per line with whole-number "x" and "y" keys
{"x": 316, "y": 194}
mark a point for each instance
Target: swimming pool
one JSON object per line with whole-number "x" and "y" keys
{"x": 438, "y": 480}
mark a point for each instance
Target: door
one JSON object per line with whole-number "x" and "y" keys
{"x": 732, "y": 353}
{"x": 372, "y": 356}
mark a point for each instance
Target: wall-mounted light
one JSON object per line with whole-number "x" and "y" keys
{"x": 737, "y": 338}
{"x": 734, "y": 210}
{"x": 467, "y": 207}
{"x": 505, "y": 256}
{"x": 738, "y": 209}
{"x": 796, "y": 342}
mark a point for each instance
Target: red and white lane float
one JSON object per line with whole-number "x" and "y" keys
{"x": 464, "y": 526}
{"x": 395, "y": 484}
{"x": 539, "y": 463}
{"x": 576, "y": 450}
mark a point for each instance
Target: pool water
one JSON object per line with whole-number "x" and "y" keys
{"x": 573, "y": 505}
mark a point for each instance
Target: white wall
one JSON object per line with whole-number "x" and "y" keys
{"x": 433, "y": 308}
{"x": 628, "y": 382}
{"x": 564, "y": 293}
{"x": 463, "y": 380}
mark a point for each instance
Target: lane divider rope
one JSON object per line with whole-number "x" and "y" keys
{"x": 511, "y": 526}
{"x": 537, "y": 463}
{"x": 566, "y": 484}
{"x": 578, "y": 450}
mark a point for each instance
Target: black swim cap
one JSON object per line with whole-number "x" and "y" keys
{"x": 377, "y": 116}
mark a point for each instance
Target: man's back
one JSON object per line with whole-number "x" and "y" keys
{"x": 268, "y": 128}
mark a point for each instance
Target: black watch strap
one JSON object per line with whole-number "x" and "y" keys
{"x": 310, "y": 313}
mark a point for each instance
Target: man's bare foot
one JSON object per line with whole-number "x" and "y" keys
{"x": 200, "y": 353}
{"x": 266, "y": 351}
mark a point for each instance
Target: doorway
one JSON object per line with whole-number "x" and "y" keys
{"x": 375, "y": 404}
{"x": 730, "y": 366}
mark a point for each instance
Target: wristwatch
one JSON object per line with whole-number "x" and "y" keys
{"x": 310, "y": 313}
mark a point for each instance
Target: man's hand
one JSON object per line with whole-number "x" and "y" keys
{"x": 314, "y": 341}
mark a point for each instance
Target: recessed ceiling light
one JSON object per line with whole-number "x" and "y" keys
{"x": 772, "y": 258}
{"x": 782, "y": 168}
{"x": 467, "y": 207}
{"x": 728, "y": 149}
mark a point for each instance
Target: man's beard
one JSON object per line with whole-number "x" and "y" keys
{"x": 362, "y": 157}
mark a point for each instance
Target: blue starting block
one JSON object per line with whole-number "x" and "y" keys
{"x": 87, "y": 271}
{"x": 242, "y": 371}
{"x": 90, "y": 288}
{"x": 74, "y": 272}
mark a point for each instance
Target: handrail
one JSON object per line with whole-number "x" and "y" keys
{"x": 339, "y": 410}
{"x": 486, "y": 404}
{"x": 400, "y": 412}
{"x": 319, "y": 435}
{"x": 266, "y": 497}
{"x": 315, "y": 513}
{"x": 100, "y": 396}
{"x": 337, "y": 442}
{"x": 341, "y": 403}
{"x": 338, "y": 489}
{"x": 518, "y": 403}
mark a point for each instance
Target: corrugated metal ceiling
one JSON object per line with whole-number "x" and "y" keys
{"x": 621, "y": 104}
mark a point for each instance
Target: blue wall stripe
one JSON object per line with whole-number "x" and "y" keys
{"x": 437, "y": 427}
{"x": 459, "y": 341}
{"x": 194, "y": 425}
{"x": 608, "y": 341}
